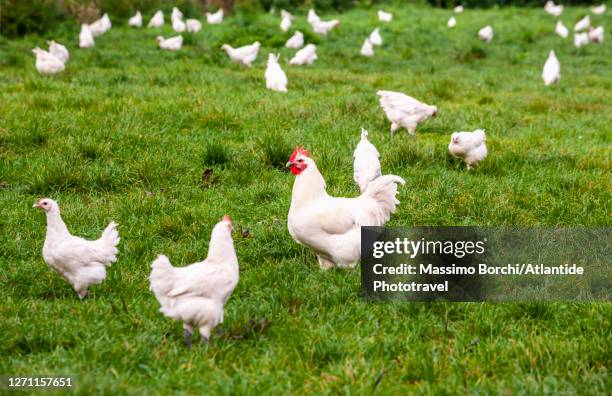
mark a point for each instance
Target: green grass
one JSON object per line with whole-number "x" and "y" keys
{"x": 127, "y": 132}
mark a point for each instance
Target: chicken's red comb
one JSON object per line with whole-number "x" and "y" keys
{"x": 299, "y": 150}
{"x": 227, "y": 218}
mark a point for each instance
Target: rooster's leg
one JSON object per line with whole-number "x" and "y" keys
{"x": 82, "y": 294}
{"x": 187, "y": 332}
{"x": 324, "y": 263}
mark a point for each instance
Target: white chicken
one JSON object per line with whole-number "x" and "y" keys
{"x": 552, "y": 9}
{"x": 332, "y": 226}
{"x": 193, "y": 25}
{"x": 171, "y": 44}
{"x": 470, "y": 146}
{"x": 452, "y": 22}
{"x": 157, "y": 20}
{"x": 296, "y": 41}
{"x": 312, "y": 16}
{"x": 136, "y": 20}
{"x": 552, "y": 69}
{"x": 458, "y": 9}
{"x": 581, "y": 39}
{"x": 385, "y": 16}
{"x": 81, "y": 262}
{"x": 366, "y": 165}
{"x": 47, "y": 63}
{"x": 596, "y": 35}
{"x": 245, "y": 55}
{"x": 599, "y": 10}
{"x": 100, "y": 26}
{"x": 305, "y": 56}
{"x": 375, "y": 37}
{"x": 214, "y": 18}
{"x": 486, "y": 34}
{"x": 404, "y": 111}
{"x": 178, "y": 25}
{"x": 561, "y": 30}
{"x": 324, "y": 27}
{"x": 59, "y": 51}
{"x": 86, "y": 39}
{"x": 286, "y": 20}
{"x": 582, "y": 24}
{"x": 367, "y": 49}
{"x": 276, "y": 79}
{"x": 197, "y": 293}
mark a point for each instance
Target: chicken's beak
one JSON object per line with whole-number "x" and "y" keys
{"x": 289, "y": 164}
{"x": 37, "y": 205}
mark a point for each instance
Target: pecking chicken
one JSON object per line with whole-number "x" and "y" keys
{"x": 245, "y": 55}
{"x": 404, "y": 111}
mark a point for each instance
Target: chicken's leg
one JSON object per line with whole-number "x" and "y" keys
{"x": 187, "y": 332}
{"x": 325, "y": 264}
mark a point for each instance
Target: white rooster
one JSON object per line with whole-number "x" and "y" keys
{"x": 59, "y": 51}
{"x": 193, "y": 25}
{"x": 197, "y": 293}
{"x": 367, "y": 49}
{"x": 276, "y": 79}
{"x": 171, "y": 44}
{"x": 296, "y": 41}
{"x": 375, "y": 37}
{"x": 552, "y": 9}
{"x": 385, "y": 16}
{"x": 81, "y": 262}
{"x": 286, "y": 20}
{"x": 332, "y": 226}
{"x": 136, "y": 20}
{"x": 486, "y": 34}
{"x": 404, "y": 111}
{"x": 366, "y": 165}
{"x": 214, "y": 18}
{"x": 305, "y": 56}
{"x": 470, "y": 146}
{"x": 324, "y": 27}
{"x": 552, "y": 69}
{"x": 47, "y": 63}
{"x": 561, "y": 30}
{"x": 86, "y": 39}
{"x": 157, "y": 20}
{"x": 245, "y": 55}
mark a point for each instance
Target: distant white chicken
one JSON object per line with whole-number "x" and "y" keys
{"x": 552, "y": 9}
{"x": 366, "y": 166}
{"x": 296, "y": 41}
{"x": 599, "y": 10}
{"x": 157, "y": 20}
{"x": 136, "y": 20}
{"x": 552, "y": 69}
{"x": 215, "y": 18}
{"x": 171, "y": 44}
{"x": 332, "y": 226}
{"x": 305, "y": 56}
{"x": 470, "y": 146}
{"x": 196, "y": 294}
{"x": 100, "y": 26}
{"x": 176, "y": 14}
{"x": 47, "y": 63}
{"x": 86, "y": 39}
{"x": 596, "y": 35}
{"x": 385, "y": 16}
{"x": 312, "y": 16}
{"x": 583, "y": 24}
{"x": 486, "y": 34}
{"x": 59, "y": 51}
{"x": 178, "y": 25}
{"x": 458, "y": 9}
{"x": 367, "y": 49}
{"x": 375, "y": 37}
{"x": 193, "y": 25}
{"x": 81, "y": 262}
{"x": 276, "y": 79}
{"x": 245, "y": 55}
{"x": 452, "y": 22}
{"x": 561, "y": 30}
{"x": 404, "y": 111}
{"x": 324, "y": 27}
{"x": 581, "y": 39}
{"x": 286, "y": 20}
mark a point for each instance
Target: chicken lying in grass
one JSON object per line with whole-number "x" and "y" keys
{"x": 170, "y": 44}
{"x": 470, "y": 146}
{"x": 81, "y": 262}
{"x": 197, "y": 293}
{"x": 366, "y": 166}
{"x": 404, "y": 111}
{"x": 245, "y": 55}
{"x": 332, "y": 226}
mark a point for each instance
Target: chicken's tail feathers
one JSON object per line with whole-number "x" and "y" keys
{"x": 480, "y": 135}
{"x": 364, "y": 134}
{"x": 383, "y": 191}
{"x": 110, "y": 235}
{"x": 162, "y": 277}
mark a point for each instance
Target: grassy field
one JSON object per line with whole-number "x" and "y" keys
{"x": 126, "y": 132}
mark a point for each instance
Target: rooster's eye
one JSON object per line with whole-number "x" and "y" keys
{"x": 300, "y": 160}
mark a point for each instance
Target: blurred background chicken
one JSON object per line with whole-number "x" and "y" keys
{"x": 404, "y": 111}
{"x": 470, "y": 146}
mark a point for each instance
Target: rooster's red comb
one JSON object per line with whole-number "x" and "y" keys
{"x": 299, "y": 150}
